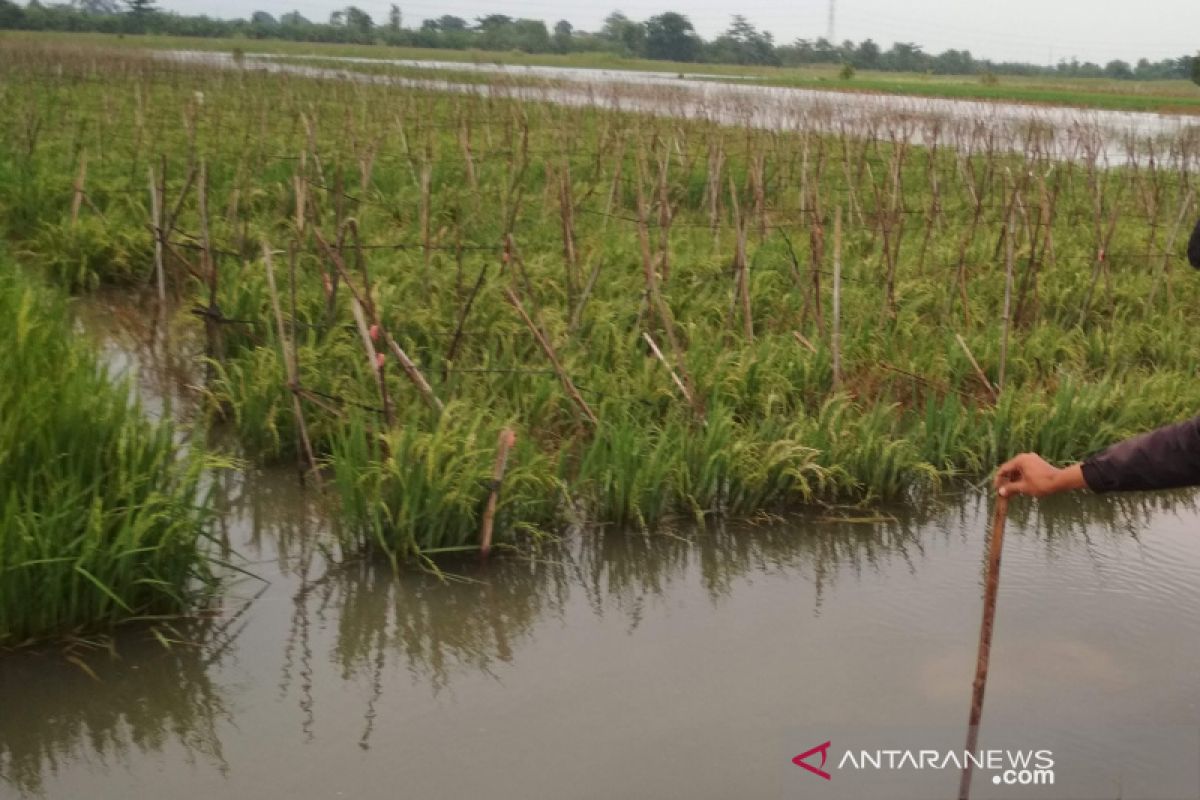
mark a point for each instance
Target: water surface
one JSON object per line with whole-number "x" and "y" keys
{"x": 617, "y": 664}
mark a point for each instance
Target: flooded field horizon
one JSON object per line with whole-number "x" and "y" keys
{"x": 1107, "y": 138}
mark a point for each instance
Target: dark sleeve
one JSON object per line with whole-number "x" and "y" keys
{"x": 1168, "y": 458}
{"x": 1194, "y": 247}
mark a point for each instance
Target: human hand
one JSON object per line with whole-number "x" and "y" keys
{"x": 1032, "y": 475}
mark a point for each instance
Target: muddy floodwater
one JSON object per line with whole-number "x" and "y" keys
{"x": 1103, "y": 137}
{"x": 691, "y": 663}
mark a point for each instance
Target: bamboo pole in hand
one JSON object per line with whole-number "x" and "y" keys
{"x": 991, "y": 590}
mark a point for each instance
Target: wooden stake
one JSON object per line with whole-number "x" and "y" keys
{"x": 836, "y": 339}
{"x": 548, "y": 349}
{"x": 80, "y": 178}
{"x": 209, "y": 269}
{"x": 156, "y": 224}
{"x": 802, "y": 339}
{"x": 674, "y": 377}
{"x": 991, "y": 590}
{"x": 503, "y": 446}
{"x": 374, "y": 363}
{"x": 290, "y": 365}
{"x": 740, "y": 268}
{"x": 1009, "y": 257}
{"x": 410, "y": 369}
{"x": 1166, "y": 262}
{"x": 978, "y": 370}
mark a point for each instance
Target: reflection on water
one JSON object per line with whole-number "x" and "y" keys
{"x": 91, "y": 707}
{"x": 598, "y": 650}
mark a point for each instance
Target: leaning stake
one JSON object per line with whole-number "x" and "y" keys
{"x": 991, "y": 589}
{"x": 505, "y": 444}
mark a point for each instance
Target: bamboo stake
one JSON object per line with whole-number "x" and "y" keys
{"x": 1166, "y": 262}
{"x": 836, "y": 337}
{"x": 577, "y": 314}
{"x": 804, "y": 341}
{"x": 464, "y": 139}
{"x": 991, "y": 590}
{"x": 739, "y": 264}
{"x": 80, "y": 178}
{"x": 503, "y": 446}
{"x": 374, "y": 362}
{"x": 410, "y": 369}
{"x": 426, "y": 217}
{"x": 290, "y": 365}
{"x": 548, "y": 349}
{"x": 156, "y": 224}
{"x": 978, "y": 370}
{"x": 674, "y": 377}
{"x": 1009, "y": 257}
{"x": 209, "y": 269}
{"x": 413, "y": 373}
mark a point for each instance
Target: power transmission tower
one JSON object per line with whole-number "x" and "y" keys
{"x": 832, "y": 19}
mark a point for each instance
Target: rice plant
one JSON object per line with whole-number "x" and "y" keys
{"x": 101, "y": 516}
{"x": 678, "y": 310}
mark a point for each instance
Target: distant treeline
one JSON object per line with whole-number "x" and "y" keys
{"x": 669, "y": 36}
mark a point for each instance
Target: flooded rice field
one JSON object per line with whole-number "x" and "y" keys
{"x": 619, "y": 664}
{"x": 691, "y": 663}
{"x": 1109, "y": 138}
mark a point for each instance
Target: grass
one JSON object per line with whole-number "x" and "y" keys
{"x": 100, "y": 518}
{"x": 441, "y": 212}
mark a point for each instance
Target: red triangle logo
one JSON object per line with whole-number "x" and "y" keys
{"x": 823, "y": 749}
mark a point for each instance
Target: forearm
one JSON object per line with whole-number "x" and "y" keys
{"x": 1168, "y": 458}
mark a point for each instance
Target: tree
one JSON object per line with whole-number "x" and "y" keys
{"x": 96, "y": 6}
{"x": 563, "y": 31}
{"x": 671, "y": 37}
{"x": 394, "y": 18}
{"x": 139, "y": 8}
{"x": 494, "y": 22}
{"x": 1196, "y": 69}
{"x": 446, "y": 23}
{"x": 11, "y": 15}
{"x": 138, "y": 18}
{"x": 1118, "y": 69}
{"x": 262, "y": 19}
{"x": 866, "y": 55}
{"x": 745, "y": 44}
{"x": 630, "y": 36}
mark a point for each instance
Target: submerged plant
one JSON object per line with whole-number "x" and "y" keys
{"x": 102, "y": 517}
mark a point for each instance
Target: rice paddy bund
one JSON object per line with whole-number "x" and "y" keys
{"x": 470, "y": 319}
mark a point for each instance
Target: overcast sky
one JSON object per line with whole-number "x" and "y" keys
{"x": 1040, "y": 31}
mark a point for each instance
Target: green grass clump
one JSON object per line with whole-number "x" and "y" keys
{"x": 413, "y": 492}
{"x": 101, "y": 517}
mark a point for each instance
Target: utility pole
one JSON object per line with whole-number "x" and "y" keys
{"x": 832, "y": 33}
